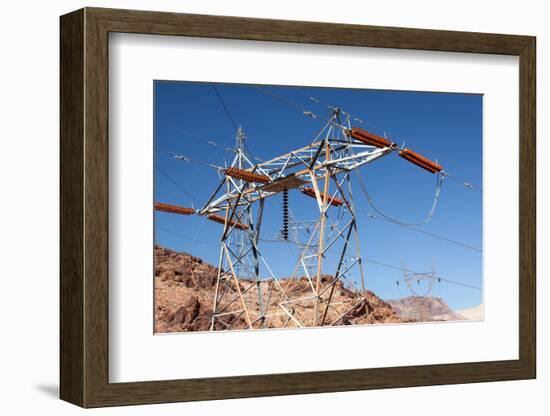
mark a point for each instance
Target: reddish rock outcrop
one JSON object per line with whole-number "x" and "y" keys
{"x": 184, "y": 295}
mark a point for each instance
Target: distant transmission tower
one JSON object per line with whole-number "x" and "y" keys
{"x": 420, "y": 285}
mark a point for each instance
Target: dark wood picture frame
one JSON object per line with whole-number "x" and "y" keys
{"x": 84, "y": 207}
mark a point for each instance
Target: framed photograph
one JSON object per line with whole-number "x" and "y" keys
{"x": 256, "y": 207}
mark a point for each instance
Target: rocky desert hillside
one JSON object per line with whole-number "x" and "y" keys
{"x": 184, "y": 293}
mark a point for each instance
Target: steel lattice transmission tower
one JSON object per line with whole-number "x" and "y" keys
{"x": 321, "y": 170}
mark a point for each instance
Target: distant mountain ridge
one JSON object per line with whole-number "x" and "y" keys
{"x": 424, "y": 309}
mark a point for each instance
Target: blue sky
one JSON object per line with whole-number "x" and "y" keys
{"x": 446, "y": 127}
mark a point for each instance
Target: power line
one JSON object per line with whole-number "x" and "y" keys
{"x": 466, "y": 184}
{"x": 418, "y": 230}
{"x": 304, "y": 110}
{"x": 379, "y": 263}
{"x": 459, "y": 283}
{"x": 229, "y": 116}
{"x": 178, "y": 185}
{"x": 187, "y": 237}
{"x": 389, "y": 266}
{"x": 198, "y": 136}
{"x": 225, "y": 108}
{"x": 387, "y": 217}
{"x": 181, "y": 157}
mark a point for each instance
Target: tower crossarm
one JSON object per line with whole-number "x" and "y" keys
{"x": 299, "y": 168}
